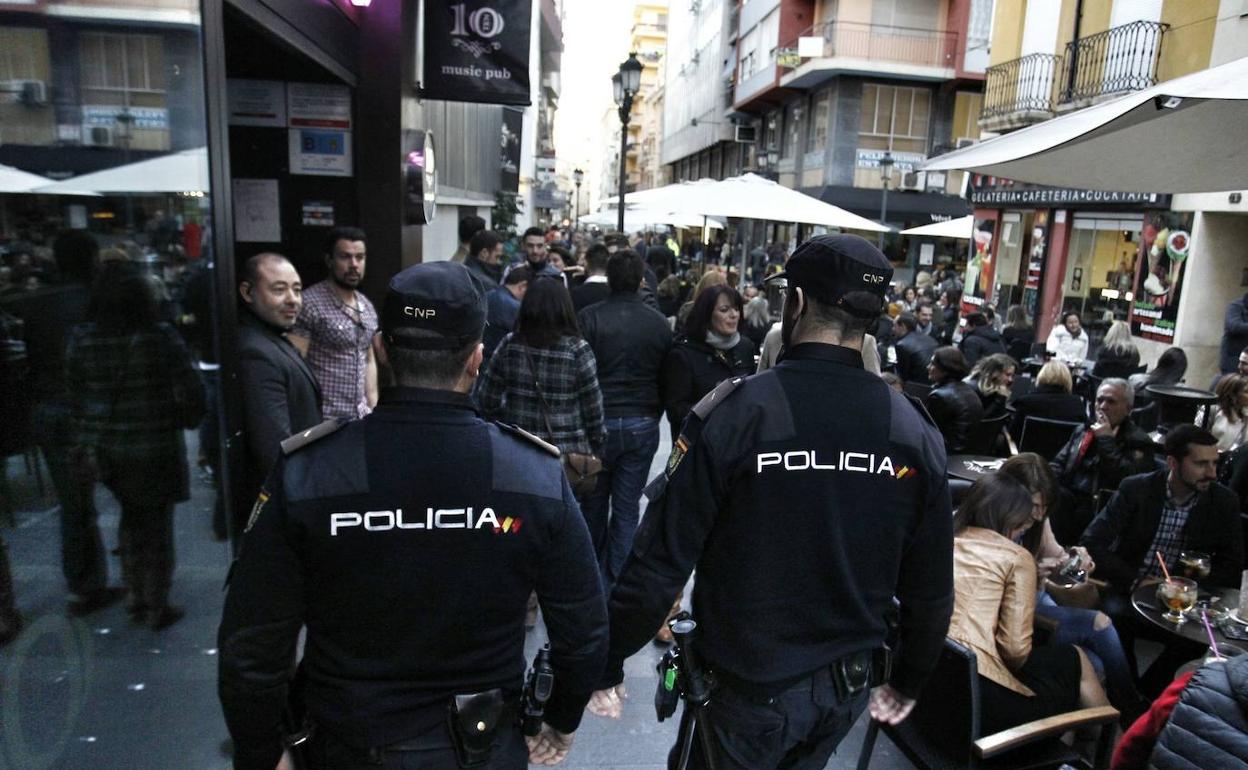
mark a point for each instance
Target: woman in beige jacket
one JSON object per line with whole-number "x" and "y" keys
{"x": 994, "y": 582}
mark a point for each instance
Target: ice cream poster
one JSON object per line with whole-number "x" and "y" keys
{"x": 977, "y": 288}
{"x": 1165, "y": 242}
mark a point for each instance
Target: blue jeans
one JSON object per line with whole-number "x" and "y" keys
{"x": 626, "y": 455}
{"x": 1105, "y": 651}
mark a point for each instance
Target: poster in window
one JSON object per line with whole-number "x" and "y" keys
{"x": 1035, "y": 262}
{"x": 477, "y": 51}
{"x": 509, "y": 150}
{"x": 1165, "y": 242}
{"x": 979, "y": 266}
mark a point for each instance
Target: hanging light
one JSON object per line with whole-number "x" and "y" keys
{"x": 630, "y": 74}
{"x": 886, "y": 168}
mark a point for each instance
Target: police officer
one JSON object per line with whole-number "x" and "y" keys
{"x": 808, "y": 497}
{"x": 408, "y": 543}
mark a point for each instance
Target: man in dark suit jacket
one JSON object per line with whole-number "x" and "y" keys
{"x": 595, "y": 288}
{"x": 280, "y": 394}
{"x": 1167, "y": 512}
{"x": 914, "y": 349}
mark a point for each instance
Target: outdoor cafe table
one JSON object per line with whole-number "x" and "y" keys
{"x": 1144, "y": 599}
{"x": 972, "y": 467}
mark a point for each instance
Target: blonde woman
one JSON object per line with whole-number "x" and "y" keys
{"x": 993, "y": 379}
{"x": 1118, "y": 356}
{"x": 1230, "y": 414}
{"x": 1051, "y": 399}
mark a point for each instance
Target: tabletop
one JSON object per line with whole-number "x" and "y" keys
{"x": 972, "y": 467}
{"x": 1144, "y": 599}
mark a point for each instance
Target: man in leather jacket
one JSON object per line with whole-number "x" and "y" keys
{"x": 1099, "y": 457}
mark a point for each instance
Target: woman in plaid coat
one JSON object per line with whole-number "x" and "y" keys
{"x": 134, "y": 390}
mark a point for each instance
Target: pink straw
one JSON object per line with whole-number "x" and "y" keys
{"x": 1213, "y": 644}
{"x": 1162, "y": 562}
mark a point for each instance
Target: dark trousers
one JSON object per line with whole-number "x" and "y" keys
{"x": 433, "y": 750}
{"x": 83, "y": 559}
{"x": 798, "y": 729}
{"x": 210, "y": 445}
{"x": 630, "y": 446}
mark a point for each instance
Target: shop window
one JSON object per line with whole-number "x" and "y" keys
{"x": 819, "y": 122}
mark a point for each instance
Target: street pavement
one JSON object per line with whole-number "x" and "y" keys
{"x": 101, "y": 693}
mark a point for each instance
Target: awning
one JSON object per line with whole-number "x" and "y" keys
{"x": 14, "y": 180}
{"x": 907, "y": 205}
{"x": 185, "y": 171}
{"x": 953, "y": 228}
{"x": 1184, "y": 135}
{"x": 750, "y": 196}
{"x": 639, "y": 219}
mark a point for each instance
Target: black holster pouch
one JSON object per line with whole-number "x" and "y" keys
{"x": 474, "y": 720}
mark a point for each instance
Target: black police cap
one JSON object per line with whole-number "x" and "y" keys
{"x": 438, "y": 297}
{"x": 845, "y": 271}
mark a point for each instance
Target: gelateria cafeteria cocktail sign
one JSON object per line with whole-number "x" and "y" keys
{"x": 1165, "y": 242}
{"x": 477, "y": 51}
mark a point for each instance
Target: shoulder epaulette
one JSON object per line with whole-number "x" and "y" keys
{"x": 537, "y": 441}
{"x": 716, "y": 396}
{"x": 920, "y": 407}
{"x": 300, "y": 440}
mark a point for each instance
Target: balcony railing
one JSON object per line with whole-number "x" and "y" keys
{"x": 1111, "y": 62}
{"x": 1020, "y": 86}
{"x": 878, "y": 42}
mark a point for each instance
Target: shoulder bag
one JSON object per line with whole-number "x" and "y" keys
{"x": 581, "y": 469}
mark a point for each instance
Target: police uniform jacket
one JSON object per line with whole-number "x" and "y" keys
{"x": 411, "y": 569}
{"x": 808, "y": 496}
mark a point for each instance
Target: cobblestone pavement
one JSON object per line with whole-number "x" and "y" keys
{"x": 101, "y": 693}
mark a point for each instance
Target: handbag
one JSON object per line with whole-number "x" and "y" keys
{"x": 581, "y": 469}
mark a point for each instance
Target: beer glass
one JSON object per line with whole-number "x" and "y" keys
{"x": 1195, "y": 565}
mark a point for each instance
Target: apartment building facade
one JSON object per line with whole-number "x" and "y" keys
{"x": 1106, "y": 255}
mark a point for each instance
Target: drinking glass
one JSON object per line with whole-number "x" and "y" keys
{"x": 1195, "y": 564}
{"x": 1178, "y": 595}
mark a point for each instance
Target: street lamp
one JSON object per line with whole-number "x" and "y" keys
{"x": 625, "y": 84}
{"x": 886, "y": 176}
{"x": 578, "y": 176}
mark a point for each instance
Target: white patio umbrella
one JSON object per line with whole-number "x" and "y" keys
{"x": 750, "y": 196}
{"x": 636, "y": 219}
{"x": 14, "y": 180}
{"x": 953, "y": 228}
{"x": 1184, "y": 135}
{"x": 185, "y": 171}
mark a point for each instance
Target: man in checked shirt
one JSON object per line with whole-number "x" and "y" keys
{"x": 337, "y": 328}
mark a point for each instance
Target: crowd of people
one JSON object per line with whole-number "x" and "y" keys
{"x": 587, "y": 345}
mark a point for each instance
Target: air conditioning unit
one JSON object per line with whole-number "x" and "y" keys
{"x": 745, "y": 134}
{"x": 965, "y": 142}
{"x": 98, "y": 136}
{"x": 31, "y": 93}
{"x": 913, "y": 180}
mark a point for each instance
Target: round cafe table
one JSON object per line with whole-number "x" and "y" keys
{"x": 1144, "y": 599}
{"x": 972, "y": 467}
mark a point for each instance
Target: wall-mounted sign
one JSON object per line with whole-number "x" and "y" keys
{"x": 320, "y": 152}
{"x": 788, "y": 58}
{"x": 509, "y": 150}
{"x": 318, "y": 105}
{"x": 256, "y": 102}
{"x": 987, "y": 190}
{"x": 477, "y": 51}
{"x": 318, "y": 213}
{"x": 257, "y": 215}
{"x": 902, "y": 161}
{"x": 140, "y": 117}
{"x": 1165, "y": 242}
{"x": 420, "y": 173}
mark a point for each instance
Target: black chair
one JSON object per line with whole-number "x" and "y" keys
{"x": 988, "y": 437}
{"x": 958, "y": 490}
{"x": 1045, "y": 437}
{"x": 919, "y": 390}
{"x": 1087, "y": 386}
{"x": 1019, "y": 349}
{"x": 1145, "y": 417}
{"x": 943, "y": 730}
{"x": 1023, "y": 384}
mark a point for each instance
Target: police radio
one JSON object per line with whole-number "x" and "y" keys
{"x": 537, "y": 688}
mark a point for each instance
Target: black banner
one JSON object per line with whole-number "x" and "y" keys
{"x": 477, "y": 51}
{"x": 509, "y": 150}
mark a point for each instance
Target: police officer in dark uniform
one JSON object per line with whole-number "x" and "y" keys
{"x": 408, "y": 543}
{"x": 808, "y": 497}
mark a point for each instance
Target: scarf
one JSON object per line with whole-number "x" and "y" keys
{"x": 720, "y": 342}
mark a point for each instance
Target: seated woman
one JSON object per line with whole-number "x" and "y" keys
{"x": 1230, "y": 414}
{"x": 1052, "y": 399}
{"x": 954, "y": 405}
{"x": 1088, "y": 628}
{"x": 1118, "y": 356}
{"x": 1170, "y": 369}
{"x": 992, "y": 379}
{"x": 994, "y": 582}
